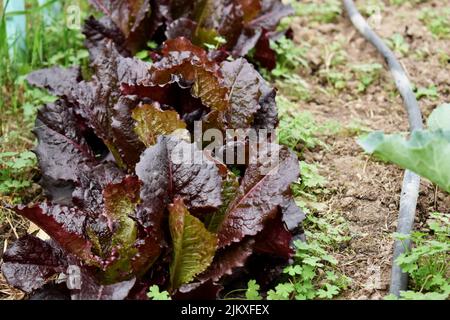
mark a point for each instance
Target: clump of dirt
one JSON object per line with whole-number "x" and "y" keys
{"x": 364, "y": 191}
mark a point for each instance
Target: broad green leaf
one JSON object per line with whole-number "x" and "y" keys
{"x": 440, "y": 118}
{"x": 120, "y": 202}
{"x": 230, "y": 187}
{"x": 153, "y": 122}
{"x": 426, "y": 153}
{"x": 204, "y": 36}
{"x": 193, "y": 246}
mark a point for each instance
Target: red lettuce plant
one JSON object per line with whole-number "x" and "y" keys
{"x": 234, "y": 27}
{"x": 122, "y": 212}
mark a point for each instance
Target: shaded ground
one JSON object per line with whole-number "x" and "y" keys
{"x": 364, "y": 191}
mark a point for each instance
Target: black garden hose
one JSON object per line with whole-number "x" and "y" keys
{"x": 411, "y": 181}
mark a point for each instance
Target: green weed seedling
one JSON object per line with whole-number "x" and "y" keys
{"x": 155, "y": 294}
{"x": 15, "y": 171}
{"x": 290, "y": 57}
{"x": 431, "y": 92}
{"x": 398, "y": 44}
{"x": 444, "y": 58}
{"x": 338, "y": 80}
{"x": 437, "y": 22}
{"x": 372, "y": 7}
{"x": 297, "y": 130}
{"x": 427, "y": 262}
{"x": 366, "y": 74}
{"x": 327, "y": 12}
{"x": 314, "y": 273}
{"x": 335, "y": 55}
{"x": 294, "y": 87}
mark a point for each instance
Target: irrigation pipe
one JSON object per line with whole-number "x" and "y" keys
{"x": 411, "y": 181}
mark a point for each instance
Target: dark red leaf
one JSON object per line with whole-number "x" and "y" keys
{"x": 262, "y": 195}
{"x": 98, "y": 32}
{"x": 272, "y": 12}
{"x": 227, "y": 260}
{"x": 189, "y": 66}
{"x": 275, "y": 239}
{"x": 199, "y": 291}
{"x": 182, "y": 27}
{"x": 90, "y": 289}
{"x": 30, "y": 262}
{"x": 105, "y": 110}
{"x": 62, "y": 151}
{"x": 65, "y": 225}
{"x": 165, "y": 175}
{"x": 244, "y": 83}
{"x": 56, "y": 80}
{"x": 264, "y": 54}
{"x": 267, "y": 117}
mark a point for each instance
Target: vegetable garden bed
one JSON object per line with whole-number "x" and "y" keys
{"x": 125, "y": 214}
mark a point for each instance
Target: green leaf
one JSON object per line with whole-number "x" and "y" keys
{"x": 313, "y": 261}
{"x": 425, "y": 153}
{"x": 293, "y": 270}
{"x": 281, "y": 292}
{"x": 331, "y": 276}
{"x": 230, "y": 187}
{"x": 193, "y": 246}
{"x": 120, "y": 202}
{"x": 153, "y": 122}
{"x": 440, "y": 118}
{"x": 308, "y": 272}
{"x": 155, "y": 294}
{"x": 252, "y": 292}
{"x": 412, "y": 295}
{"x": 430, "y": 92}
{"x": 329, "y": 292}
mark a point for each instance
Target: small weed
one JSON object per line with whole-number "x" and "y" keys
{"x": 444, "y": 58}
{"x": 372, "y": 7}
{"x": 327, "y": 12}
{"x": 294, "y": 87}
{"x": 338, "y": 80}
{"x": 297, "y": 130}
{"x": 15, "y": 171}
{"x": 218, "y": 41}
{"x": 290, "y": 57}
{"x": 421, "y": 54}
{"x": 427, "y": 262}
{"x": 431, "y": 92}
{"x": 398, "y": 44}
{"x": 309, "y": 188}
{"x": 334, "y": 55}
{"x": 252, "y": 292}
{"x": 155, "y": 294}
{"x": 355, "y": 128}
{"x": 366, "y": 74}
{"x": 314, "y": 274}
{"x": 437, "y": 22}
